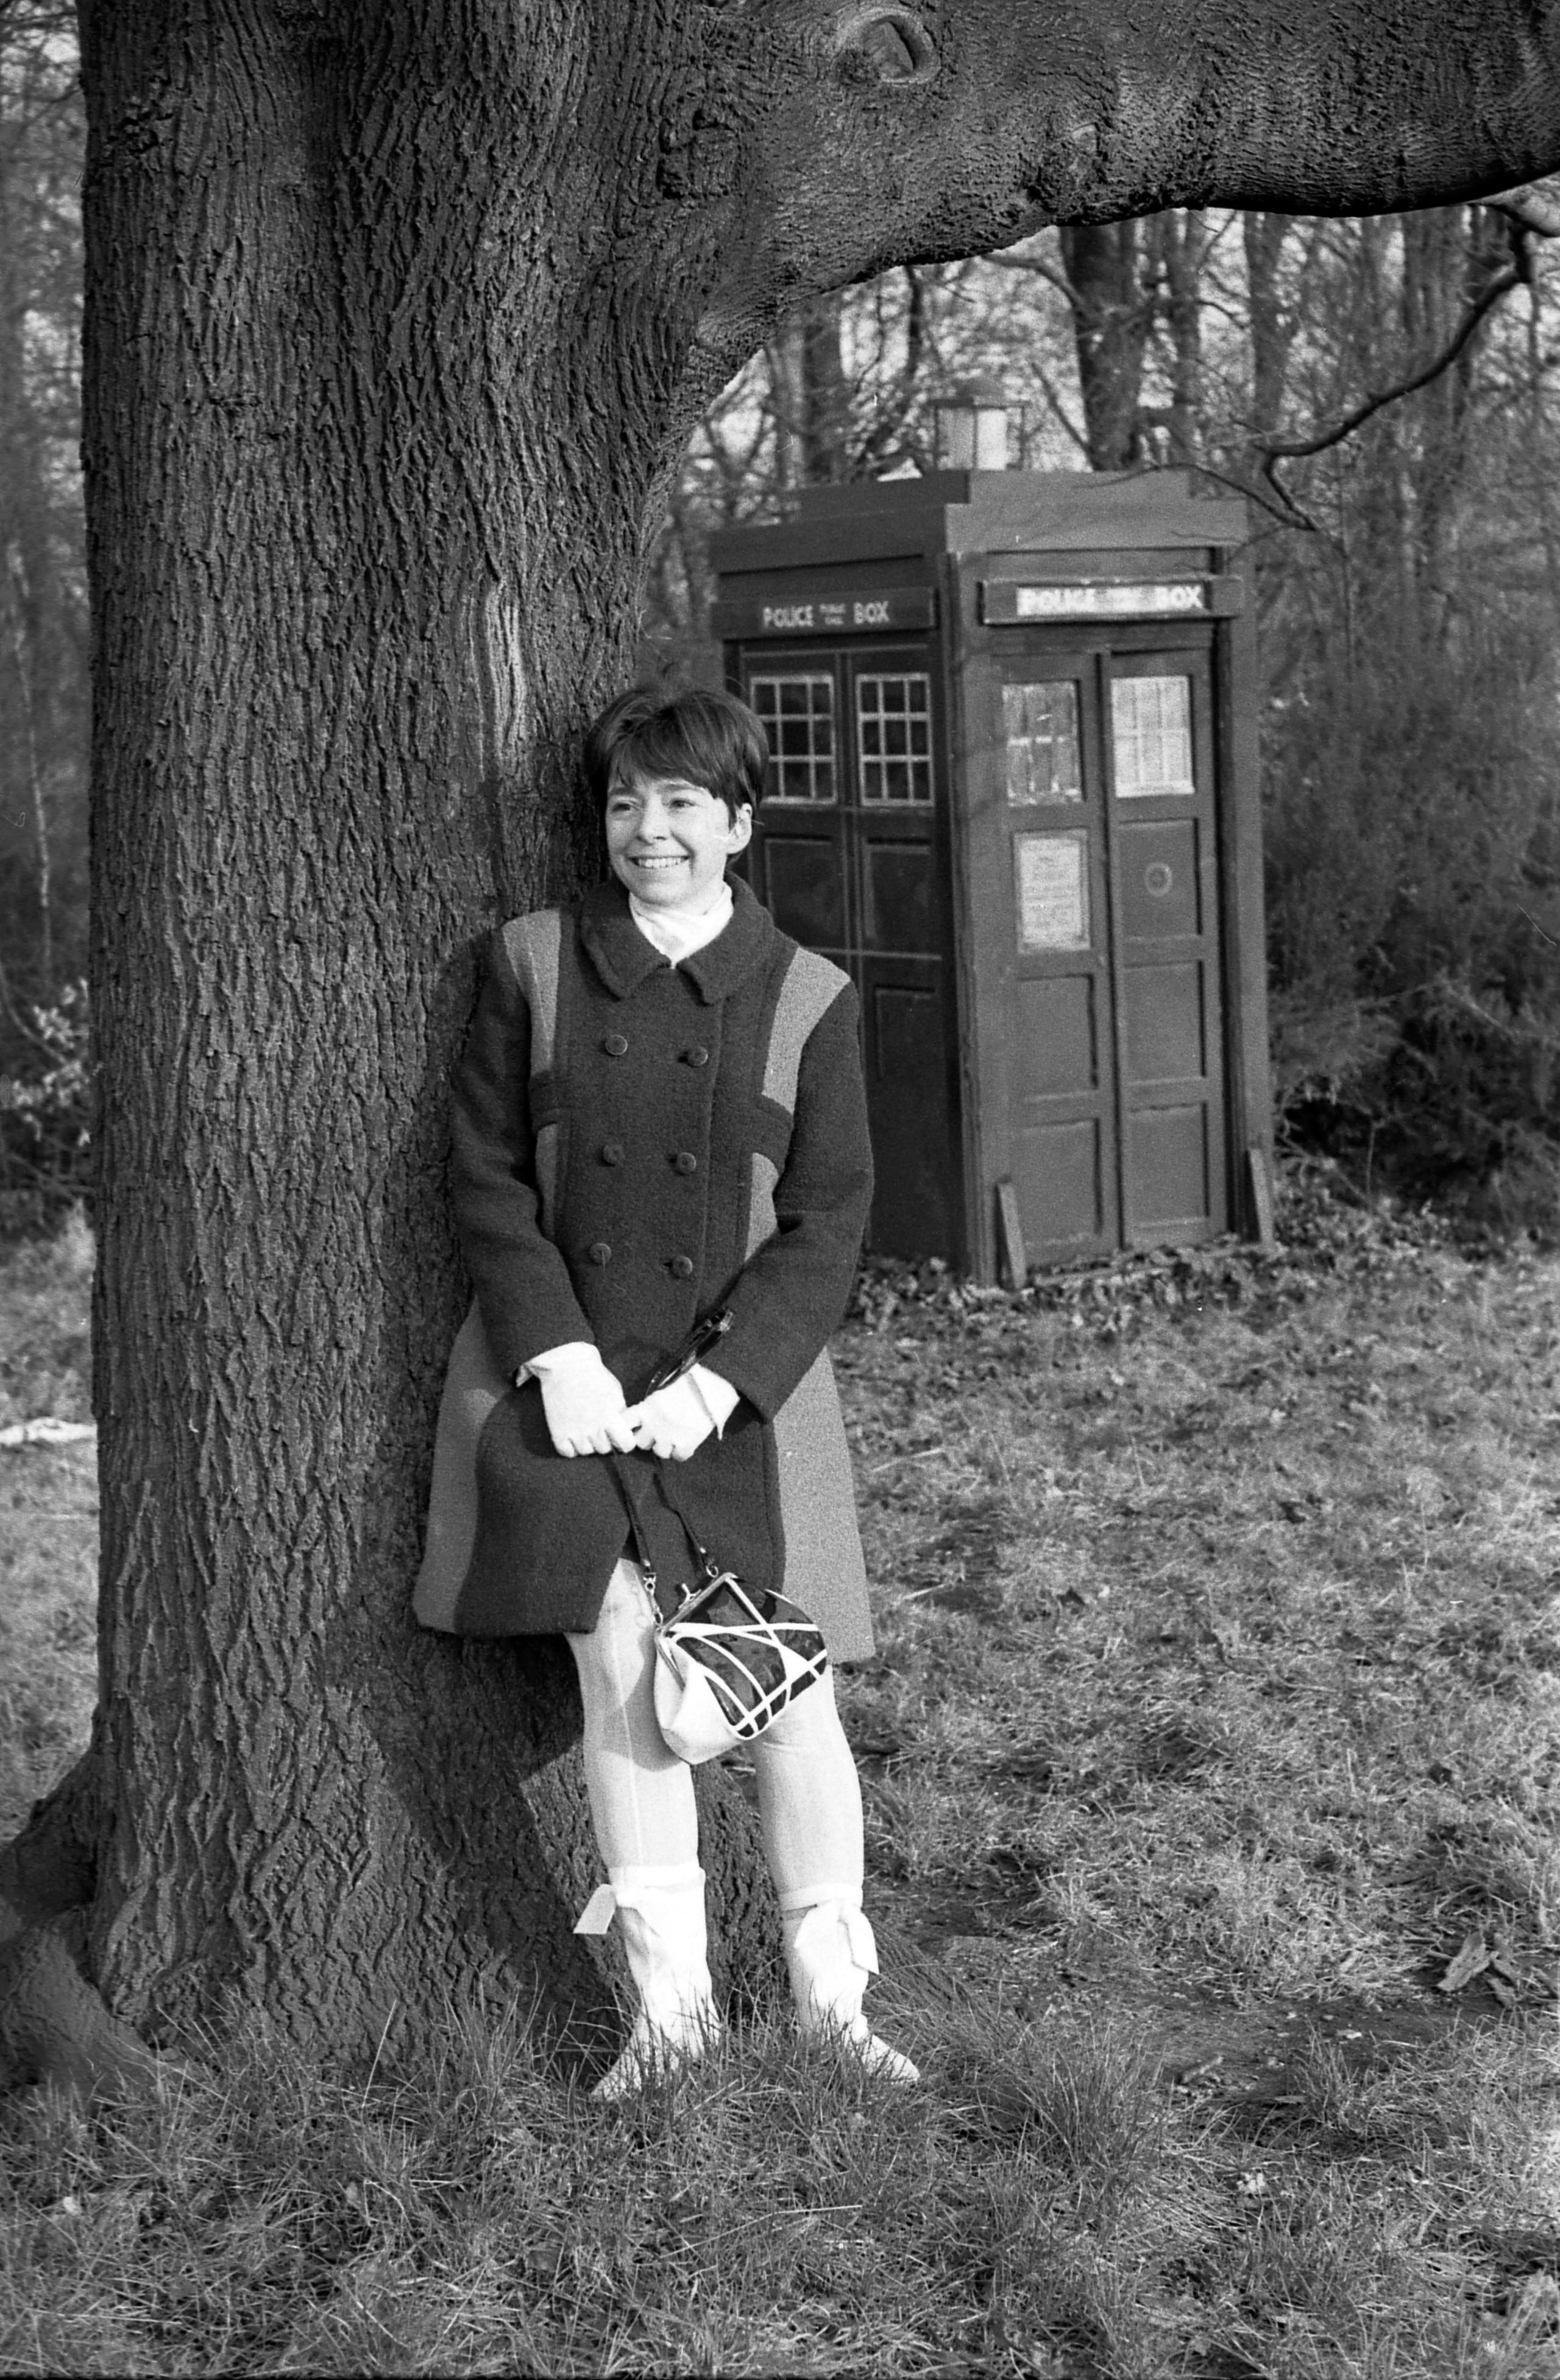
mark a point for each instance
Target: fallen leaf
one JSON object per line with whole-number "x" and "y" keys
{"x": 1470, "y": 1961}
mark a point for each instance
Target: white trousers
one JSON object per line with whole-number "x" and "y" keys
{"x": 642, "y": 1794}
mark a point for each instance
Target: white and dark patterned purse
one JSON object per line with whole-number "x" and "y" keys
{"x": 728, "y": 1658}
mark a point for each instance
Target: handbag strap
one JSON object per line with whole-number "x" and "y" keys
{"x": 698, "y": 1342}
{"x": 622, "y": 1472}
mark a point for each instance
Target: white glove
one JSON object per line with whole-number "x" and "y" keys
{"x": 720, "y": 1400}
{"x": 674, "y": 1421}
{"x": 583, "y": 1401}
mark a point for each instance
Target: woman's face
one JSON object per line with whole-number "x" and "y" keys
{"x": 669, "y": 841}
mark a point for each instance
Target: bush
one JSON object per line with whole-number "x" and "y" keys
{"x": 1416, "y": 994}
{"x": 45, "y": 1116}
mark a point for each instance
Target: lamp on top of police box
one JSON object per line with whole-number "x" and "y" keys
{"x": 971, "y": 427}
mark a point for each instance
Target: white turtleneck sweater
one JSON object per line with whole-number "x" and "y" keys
{"x": 677, "y": 933}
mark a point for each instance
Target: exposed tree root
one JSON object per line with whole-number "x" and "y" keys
{"x": 51, "y": 1865}
{"x": 53, "y": 2028}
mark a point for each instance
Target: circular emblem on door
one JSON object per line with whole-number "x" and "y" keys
{"x": 1158, "y": 879}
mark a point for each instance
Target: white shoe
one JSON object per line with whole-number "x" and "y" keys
{"x": 829, "y": 1954}
{"x": 666, "y": 1942}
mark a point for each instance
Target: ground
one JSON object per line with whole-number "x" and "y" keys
{"x": 1212, "y": 1760}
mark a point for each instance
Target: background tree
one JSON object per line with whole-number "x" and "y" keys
{"x": 42, "y": 613}
{"x": 42, "y": 576}
{"x": 397, "y": 321}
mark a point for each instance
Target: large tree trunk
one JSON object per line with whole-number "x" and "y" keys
{"x": 351, "y": 611}
{"x": 397, "y": 318}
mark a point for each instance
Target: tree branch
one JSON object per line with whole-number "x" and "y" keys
{"x": 1533, "y": 205}
{"x": 1288, "y": 449}
{"x": 1272, "y": 451}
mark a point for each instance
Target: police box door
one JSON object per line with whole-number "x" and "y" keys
{"x": 850, "y": 857}
{"x": 1100, "y": 850}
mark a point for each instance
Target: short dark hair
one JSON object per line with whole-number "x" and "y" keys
{"x": 708, "y": 739}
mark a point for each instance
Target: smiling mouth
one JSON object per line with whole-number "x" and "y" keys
{"x": 669, "y": 860}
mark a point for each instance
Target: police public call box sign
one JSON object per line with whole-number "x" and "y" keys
{"x": 800, "y": 613}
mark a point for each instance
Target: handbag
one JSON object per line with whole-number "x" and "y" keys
{"x": 728, "y": 1658}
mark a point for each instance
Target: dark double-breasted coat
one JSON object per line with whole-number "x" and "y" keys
{"x": 635, "y": 1145}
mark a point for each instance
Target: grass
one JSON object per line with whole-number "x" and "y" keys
{"x": 1216, "y": 1712}
{"x": 1230, "y": 1651}
{"x": 48, "y": 1521}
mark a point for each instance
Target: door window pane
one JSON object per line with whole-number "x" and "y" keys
{"x": 1151, "y": 736}
{"x": 894, "y": 732}
{"x": 1052, "y": 886}
{"x": 1040, "y": 723}
{"x": 798, "y": 716}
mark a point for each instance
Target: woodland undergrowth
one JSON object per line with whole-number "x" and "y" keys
{"x": 1212, "y": 1746}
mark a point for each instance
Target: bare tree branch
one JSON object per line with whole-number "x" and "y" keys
{"x": 1272, "y": 451}
{"x": 1036, "y": 264}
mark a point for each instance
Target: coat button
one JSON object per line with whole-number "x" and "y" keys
{"x": 615, "y": 1045}
{"x": 697, "y": 1056}
{"x": 612, "y": 1152}
{"x": 682, "y": 1267}
{"x": 685, "y": 1161}
{"x": 599, "y": 1252}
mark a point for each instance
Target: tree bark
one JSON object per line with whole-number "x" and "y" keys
{"x": 397, "y": 318}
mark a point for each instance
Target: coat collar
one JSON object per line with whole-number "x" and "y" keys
{"x": 622, "y": 958}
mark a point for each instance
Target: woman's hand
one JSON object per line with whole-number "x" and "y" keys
{"x": 674, "y": 1422}
{"x": 583, "y": 1401}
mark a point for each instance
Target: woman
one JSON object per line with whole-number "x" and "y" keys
{"x": 660, "y": 1114}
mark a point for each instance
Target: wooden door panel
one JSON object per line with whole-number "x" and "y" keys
{"x": 1059, "y": 1174}
{"x": 900, "y": 896}
{"x": 1164, "y": 1036}
{"x": 1056, "y": 1042}
{"x": 1050, "y": 784}
{"x": 1158, "y": 720}
{"x": 1091, "y": 819}
{"x": 912, "y": 1125}
{"x": 1161, "y": 891}
{"x": 804, "y": 888}
{"x": 898, "y": 823}
{"x": 849, "y": 857}
{"x": 1169, "y": 1152}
